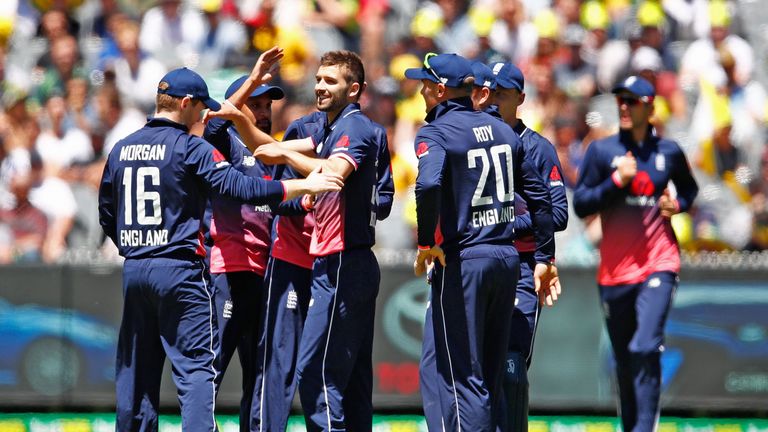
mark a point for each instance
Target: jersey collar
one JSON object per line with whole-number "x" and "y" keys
{"x": 520, "y": 127}
{"x": 164, "y": 122}
{"x": 625, "y": 136}
{"x": 493, "y": 110}
{"x": 346, "y": 112}
{"x": 444, "y": 107}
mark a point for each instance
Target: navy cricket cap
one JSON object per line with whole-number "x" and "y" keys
{"x": 508, "y": 76}
{"x": 638, "y": 87}
{"x": 449, "y": 69}
{"x": 186, "y": 82}
{"x": 273, "y": 92}
{"x": 483, "y": 75}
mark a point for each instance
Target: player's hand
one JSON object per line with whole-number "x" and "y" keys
{"x": 266, "y": 64}
{"x": 667, "y": 205}
{"x": 226, "y": 112}
{"x": 426, "y": 257}
{"x": 627, "y": 168}
{"x": 547, "y": 283}
{"x": 308, "y": 201}
{"x": 317, "y": 182}
{"x": 270, "y": 154}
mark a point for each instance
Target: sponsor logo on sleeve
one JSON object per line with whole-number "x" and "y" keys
{"x": 342, "y": 144}
{"x": 219, "y": 159}
{"x": 422, "y": 149}
{"x": 554, "y": 177}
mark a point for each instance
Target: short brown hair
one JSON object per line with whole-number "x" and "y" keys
{"x": 350, "y": 64}
{"x": 166, "y": 102}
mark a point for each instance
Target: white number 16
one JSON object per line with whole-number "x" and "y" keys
{"x": 142, "y": 196}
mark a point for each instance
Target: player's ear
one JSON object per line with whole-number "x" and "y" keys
{"x": 441, "y": 89}
{"x": 355, "y": 90}
{"x": 522, "y": 98}
{"x": 185, "y": 102}
{"x": 486, "y": 95}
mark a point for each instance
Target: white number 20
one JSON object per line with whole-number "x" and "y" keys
{"x": 142, "y": 196}
{"x": 504, "y": 192}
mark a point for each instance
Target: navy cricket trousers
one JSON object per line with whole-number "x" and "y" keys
{"x": 525, "y": 318}
{"x": 635, "y": 316}
{"x": 287, "y": 299}
{"x": 238, "y": 304}
{"x": 168, "y": 311}
{"x": 428, "y": 385}
{"x": 335, "y": 369}
{"x": 472, "y": 301}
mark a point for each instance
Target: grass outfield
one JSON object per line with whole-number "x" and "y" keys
{"x": 33, "y": 422}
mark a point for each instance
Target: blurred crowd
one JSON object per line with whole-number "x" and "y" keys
{"x": 78, "y": 75}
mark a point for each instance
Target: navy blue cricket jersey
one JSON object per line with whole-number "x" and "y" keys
{"x": 470, "y": 166}
{"x": 314, "y": 125}
{"x": 638, "y": 240}
{"x": 346, "y": 219}
{"x": 155, "y": 187}
{"x": 544, "y": 158}
{"x": 241, "y": 232}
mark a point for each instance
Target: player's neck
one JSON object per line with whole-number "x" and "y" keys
{"x": 169, "y": 115}
{"x": 332, "y": 115}
{"x": 639, "y": 132}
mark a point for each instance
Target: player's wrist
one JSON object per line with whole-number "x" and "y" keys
{"x": 619, "y": 180}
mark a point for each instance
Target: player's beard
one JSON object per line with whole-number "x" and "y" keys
{"x": 333, "y": 103}
{"x": 264, "y": 125}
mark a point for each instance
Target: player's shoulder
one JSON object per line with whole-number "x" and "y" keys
{"x": 666, "y": 145}
{"x": 431, "y": 132}
{"x": 540, "y": 144}
{"x": 604, "y": 144}
{"x": 361, "y": 127}
{"x": 603, "y": 150}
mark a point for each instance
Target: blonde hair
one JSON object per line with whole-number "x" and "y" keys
{"x": 166, "y": 102}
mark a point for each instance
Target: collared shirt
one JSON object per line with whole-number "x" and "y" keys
{"x": 637, "y": 240}
{"x": 545, "y": 160}
{"x": 155, "y": 188}
{"x": 240, "y": 232}
{"x": 346, "y": 219}
{"x": 470, "y": 166}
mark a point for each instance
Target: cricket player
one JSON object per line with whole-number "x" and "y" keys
{"x": 151, "y": 202}
{"x": 470, "y": 164}
{"x": 241, "y": 235}
{"x": 626, "y": 179}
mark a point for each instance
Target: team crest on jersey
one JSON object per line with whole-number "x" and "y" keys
{"x": 219, "y": 159}
{"x": 422, "y": 149}
{"x": 249, "y": 161}
{"x": 661, "y": 162}
{"x": 554, "y": 177}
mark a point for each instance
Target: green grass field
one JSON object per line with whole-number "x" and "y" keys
{"x": 34, "y": 422}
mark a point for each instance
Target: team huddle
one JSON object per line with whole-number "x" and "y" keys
{"x": 290, "y": 281}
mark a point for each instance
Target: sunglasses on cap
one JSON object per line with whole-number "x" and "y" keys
{"x": 429, "y": 68}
